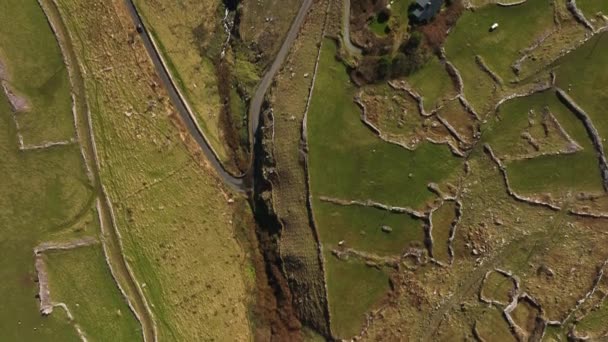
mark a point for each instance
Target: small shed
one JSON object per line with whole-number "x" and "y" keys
{"x": 424, "y": 10}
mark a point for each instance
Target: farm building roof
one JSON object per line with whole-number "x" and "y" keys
{"x": 425, "y": 10}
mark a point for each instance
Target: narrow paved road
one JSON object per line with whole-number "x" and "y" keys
{"x": 237, "y": 183}
{"x": 255, "y": 105}
{"x": 179, "y": 102}
{"x": 348, "y": 44}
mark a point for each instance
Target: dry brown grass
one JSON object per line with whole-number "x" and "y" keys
{"x": 171, "y": 209}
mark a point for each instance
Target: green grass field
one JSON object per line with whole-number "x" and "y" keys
{"x": 52, "y": 202}
{"x": 433, "y": 83}
{"x": 519, "y": 26}
{"x": 45, "y": 194}
{"x": 592, "y": 7}
{"x": 584, "y": 76}
{"x": 86, "y": 288}
{"x": 442, "y": 224}
{"x": 42, "y": 193}
{"x": 379, "y": 28}
{"x": 497, "y": 287}
{"x": 185, "y": 239}
{"x": 348, "y": 160}
{"x": 36, "y": 71}
{"x": 353, "y": 289}
{"x": 50, "y": 194}
{"x": 492, "y": 326}
{"x": 594, "y": 324}
{"x": 361, "y": 228}
{"x": 552, "y": 174}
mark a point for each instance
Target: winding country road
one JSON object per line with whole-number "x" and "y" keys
{"x": 348, "y": 44}
{"x": 255, "y": 105}
{"x": 238, "y": 182}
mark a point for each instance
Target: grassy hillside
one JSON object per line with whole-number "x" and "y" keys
{"x": 171, "y": 210}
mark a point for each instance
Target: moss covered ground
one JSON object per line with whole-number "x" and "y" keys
{"x": 46, "y": 193}
{"x": 100, "y": 311}
{"x": 52, "y": 192}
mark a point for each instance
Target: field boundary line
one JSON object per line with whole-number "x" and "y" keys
{"x": 593, "y": 133}
{"x": 390, "y": 140}
{"x": 92, "y": 164}
{"x": 579, "y": 15}
{"x": 377, "y": 205}
{"x": 309, "y": 197}
{"x": 505, "y": 178}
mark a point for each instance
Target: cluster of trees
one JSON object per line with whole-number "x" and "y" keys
{"x": 412, "y": 54}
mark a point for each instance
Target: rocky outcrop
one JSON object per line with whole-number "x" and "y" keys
{"x": 453, "y": 227}
{"x": 452, "y": 71}
{"x": 44, "y": 294}
{"x": 578, "y": 14}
